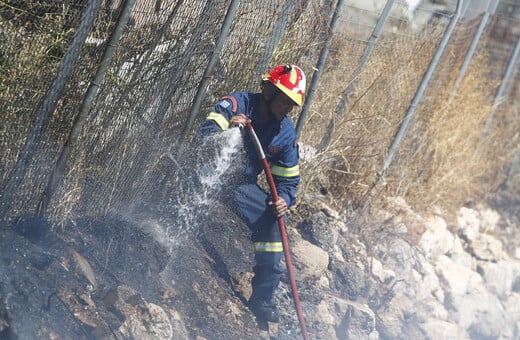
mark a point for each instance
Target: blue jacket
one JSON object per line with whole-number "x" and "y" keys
{"x": 278, "y": 139}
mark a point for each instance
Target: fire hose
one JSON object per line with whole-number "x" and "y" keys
{"x": 283, "y": 232}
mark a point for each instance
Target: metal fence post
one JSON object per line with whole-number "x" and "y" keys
{"x": 361, "y": 65}
{"x": 274, "y": 39}
{"x": 320, "y": 65}
{"x": 422, "y": 89}
{"x": 49, "y": 104}
{"x": 88, "y": 99}
{"x": 201, "y": 90}
{"x": 176, "y": 74}
{"x": 509, "y": 74}
{"x": 492, "y": 6}
{"x": 514, "y": 170}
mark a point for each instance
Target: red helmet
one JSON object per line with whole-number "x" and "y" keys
{"x": 290, "y": 79}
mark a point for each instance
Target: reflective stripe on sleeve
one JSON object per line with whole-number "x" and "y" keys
{"x": 285, "y": 172}
{"x": 220, "y": 119}
{"x": 268, "y": 247}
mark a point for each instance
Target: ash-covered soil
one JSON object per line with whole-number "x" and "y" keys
{"x": 87, "y": 280}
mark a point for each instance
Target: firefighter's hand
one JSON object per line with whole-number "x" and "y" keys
{"x": 239, "y": 120}
{"x": 279, "y": 207}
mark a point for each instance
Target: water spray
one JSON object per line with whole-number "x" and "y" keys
{"x": 199, "y": 188}
{"x": 283, "y": 232}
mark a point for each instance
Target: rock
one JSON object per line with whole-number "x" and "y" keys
{"x": 349, "y": 277}
{"x": 430, "y": 309}
{"x": 441, "y": 329}
{"x": 487, "y": 248}
{"x": 350, "y": 319}
{"x": 489, "y": 220}
{"x": 320, "y": 230}
{"x": 398, "y": 215}
{"x": 469, "y": 223}
{"x": 139, "y": 319}
{"x": 327, "y": 319}
{"x": 148, "y": 322}
{"x": 324, "y": 314}
{"x": 427, "y": 292}
{"x": 83, "y": 266}
{"x": 512, "y": 306}
{"x": 459, "y": 255}
{"x": 84, "y": 309}
{"x": 455, "y": 278}
{"x": 178, "y": 328}
{"x": 436, "y": 240}
{"x": 485, "y": 315}
{"x": 337, "y": 255}
{"x": 382, "y": 274}
{"x": 398, "y": 254}
{"x": 471, "y": 305}
{"x": 359, "y": 323}
{"x": 311, "y": 260}
{"x": 392, "y": 316}
{"x": 500, "y": 277}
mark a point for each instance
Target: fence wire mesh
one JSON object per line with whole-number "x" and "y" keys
{"x": 129, "y": 150}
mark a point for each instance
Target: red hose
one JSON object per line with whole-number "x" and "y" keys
{"x": 283, "y": 232}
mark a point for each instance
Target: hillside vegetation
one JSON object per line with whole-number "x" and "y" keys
{"x": 129, "y": 248}
{"x": 443, "y": 162}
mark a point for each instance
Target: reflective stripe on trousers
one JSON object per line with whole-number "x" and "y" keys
{"x": 251, "y": 203}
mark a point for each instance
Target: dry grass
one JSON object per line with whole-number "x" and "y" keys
{"x": 455, "y": 166}
{"x": 361, "y": 136}
{"x": 442, "y": 161}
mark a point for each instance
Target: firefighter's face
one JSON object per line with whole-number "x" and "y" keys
{"x": 281, "y": 105}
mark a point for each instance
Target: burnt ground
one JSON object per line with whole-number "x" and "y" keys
{"x": 57, "y": 284}
{"x": 65, "y": 283}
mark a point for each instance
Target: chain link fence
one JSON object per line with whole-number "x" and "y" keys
{"x": 98, "y": 117}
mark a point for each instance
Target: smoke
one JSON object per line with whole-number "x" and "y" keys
{"x": 410, "y": 13}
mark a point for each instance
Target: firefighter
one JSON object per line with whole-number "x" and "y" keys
{"x": 282, "y": 88}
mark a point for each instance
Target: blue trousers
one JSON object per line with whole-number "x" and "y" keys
{"x": 251, "y": 203}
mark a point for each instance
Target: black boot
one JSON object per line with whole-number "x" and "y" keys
{"x": 264, "y": 310}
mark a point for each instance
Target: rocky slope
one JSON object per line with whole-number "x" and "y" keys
{"x": 415, "y": 277}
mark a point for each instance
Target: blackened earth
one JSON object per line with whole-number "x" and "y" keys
{"x": 62, "y": 283}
